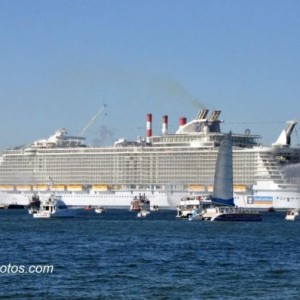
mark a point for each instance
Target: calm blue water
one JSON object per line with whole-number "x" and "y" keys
{"x": 119, "y": 256}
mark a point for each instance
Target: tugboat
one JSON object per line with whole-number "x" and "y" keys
{"x": 141, "y": 205}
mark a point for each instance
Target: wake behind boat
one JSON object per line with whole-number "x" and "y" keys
{"x": 222, "y": 207}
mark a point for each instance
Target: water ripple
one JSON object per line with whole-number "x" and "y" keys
{"x": 118, "y": 256}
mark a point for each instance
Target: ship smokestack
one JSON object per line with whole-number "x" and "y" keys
{"x": 182, "y": 122}
{"x": 164, "y": 129}
{"x": 284, "y": 140}
{"x": 202, "y": 114}
{"x": 148, "y": 127}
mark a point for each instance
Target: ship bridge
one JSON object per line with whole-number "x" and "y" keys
{"x": 60, "y": 139}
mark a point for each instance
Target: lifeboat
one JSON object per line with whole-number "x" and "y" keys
{"x": 239, "y": 188}
{"x": 6, "y": 187}
{"x": 74, "y": 187}
{"x": 23, "y": 188}
{"x": 58, "y": 187}
{"x": 40, "y": 187}
{"x": 99, "y": 187}
{"x": 196, "y": 187}
{"x": 210, "y": 188}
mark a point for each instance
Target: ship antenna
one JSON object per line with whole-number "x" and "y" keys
{"x": 92, "y": 120}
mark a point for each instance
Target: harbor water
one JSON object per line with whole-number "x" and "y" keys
{"x": 116, "y": 255}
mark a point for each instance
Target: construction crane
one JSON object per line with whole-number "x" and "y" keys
{"x": 88, "y": 125}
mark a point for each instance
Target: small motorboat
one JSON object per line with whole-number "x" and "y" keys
{"x": 88, "y": 207}
{"x": 154, "y": 208}
{"x": 54, "y": 207}
{"x": 292, "y": 214}
{"x": 99, "y": 210}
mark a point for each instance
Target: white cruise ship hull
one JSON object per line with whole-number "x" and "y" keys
{"x": 267, "y": 194}
{"x": 261, "y": 199}
{"x": 116, "y": 199}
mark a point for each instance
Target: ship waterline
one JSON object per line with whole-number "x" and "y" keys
{"x": 165, "y": 167}
{"x": 118, "y": 199}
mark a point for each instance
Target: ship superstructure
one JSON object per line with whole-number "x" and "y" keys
{"x": 164, "y": 167}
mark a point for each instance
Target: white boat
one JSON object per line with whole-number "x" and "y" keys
{"x": 54, "y": 207}
{"x": 154, "y": 208}
{"x": 191, "y": 205}
{"x": 165, "y": 167}
{"x": 99, "y": 210}
{"x": 292, "y": 214}
{"x": 223, "y": 207}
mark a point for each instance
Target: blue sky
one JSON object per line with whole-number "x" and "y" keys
{"x": 61, "y": 60}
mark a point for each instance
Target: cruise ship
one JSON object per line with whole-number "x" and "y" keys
{"x": 164, "y": 168}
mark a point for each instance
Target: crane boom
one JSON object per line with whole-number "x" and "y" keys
{"x": 92, "y": 120}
